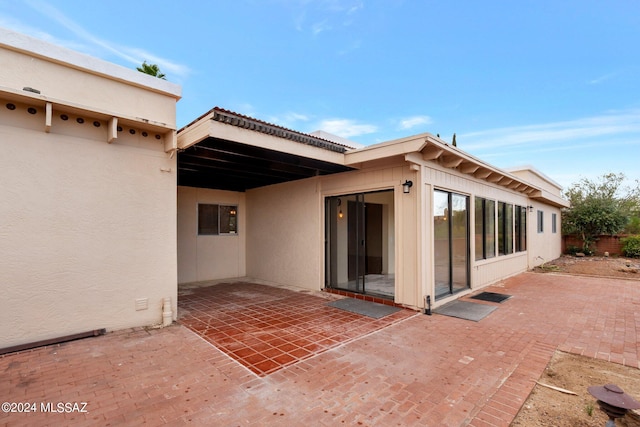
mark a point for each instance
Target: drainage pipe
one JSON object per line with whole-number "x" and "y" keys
{"x": 58, "y": 340}
{"x": 427, "y": 305}
{"x": 167, "y": 314}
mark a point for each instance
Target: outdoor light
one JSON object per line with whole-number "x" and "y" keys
{"x": 406, "y": 187}
{"x": 340, "y": 214}
{"x": 613, "y": 401}
{"x": 530, "y": 208}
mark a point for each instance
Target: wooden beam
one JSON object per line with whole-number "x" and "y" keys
{"x": 48, "y": 114}
{"x": 170, "y": 141}
{"x": 482, "y": 173}
{"x": 451, "y": 161}
{"x": 494, "y": 177}
{"x": 432, "y": 152}
{"x": 468, "y": 168}
{"x": 112, "y": 129}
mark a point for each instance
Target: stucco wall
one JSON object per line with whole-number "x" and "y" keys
{"x": 61, "y": 74}
{"x": 86, "y": 228}
{"x": 284, "y": 234}
{"x": 545, "y": 246}
{"x": 203, "y": 258}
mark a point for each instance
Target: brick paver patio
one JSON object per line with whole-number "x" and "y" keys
{"x": 420, "y": 370}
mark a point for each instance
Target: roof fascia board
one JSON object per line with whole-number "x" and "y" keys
{"x": 60, "y": 55}
{"x": 398, "y": 147}
{"x": 196, "y": 132}
{"x": 535, "y": 171}
{"x": 42, "y": 100}
{"x": 451, "y": 157}
{"x": 249, "y": 137}
{"x": 551, "y": 199}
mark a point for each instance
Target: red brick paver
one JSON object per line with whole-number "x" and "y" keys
{"x": 267, "y": 328}
{"x": 425, "y": 370}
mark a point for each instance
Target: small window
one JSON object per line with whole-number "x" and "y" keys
{"x": 540, "y": 221}
{"x": 554, "y": 223}
{"x": 217, "y": 219}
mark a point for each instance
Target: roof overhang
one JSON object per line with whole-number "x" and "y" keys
{"x": 426, "y": 147}
{"x": 227, "y": 151}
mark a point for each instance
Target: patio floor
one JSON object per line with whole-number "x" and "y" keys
{"x": 267, "y": 328}
{"x": 418, "y": 370}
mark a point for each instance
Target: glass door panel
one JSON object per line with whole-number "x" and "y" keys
{"x": 459, "y": 243}
{"x": 451, "y": 242}
{"x": 442, "y": 243}
{"x": 359, "y": 243}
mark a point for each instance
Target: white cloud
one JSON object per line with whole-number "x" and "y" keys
{"x": 606, "y": 125}
{"x": 319, "y": 16}
{"x": 132, "y": 55}
{"x": 320, "y": 27}
{"x": 288, "y": 120}
{"x": 603, "y": 78}
{"x": 411, "y": 122}
{"x": 346, "y": 128}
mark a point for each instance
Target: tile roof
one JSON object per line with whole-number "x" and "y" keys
{"x": 239, "y": 120}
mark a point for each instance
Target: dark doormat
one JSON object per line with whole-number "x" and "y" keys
{"x": 366, "y": 308}
{"x": 491, "y": 297}
{"x": 466, "y": 310}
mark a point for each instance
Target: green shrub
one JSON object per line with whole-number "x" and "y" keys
{"x": 631, "y": 246}
{"x": 572, "y": 250}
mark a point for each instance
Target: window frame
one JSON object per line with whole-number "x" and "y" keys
{"x": 487, "y": 219}
{"x": 540, "y": 216}
{"x": 505, "y": 228}
{"x": 520, "y": 231}
{"x": 217, "y": 223}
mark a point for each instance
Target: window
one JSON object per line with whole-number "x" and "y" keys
{"x": 554, "y": 222}
{"x": 521, "y": 228}
{"x": 540, "y": 221}
{"x": 505, "y": 228}
{"x": 217, "y": 219}
{"x": 485, "y": 221}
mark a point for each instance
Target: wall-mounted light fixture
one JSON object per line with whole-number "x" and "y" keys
{"x": 530, "y": 208}
{"x": 406, "y": 187}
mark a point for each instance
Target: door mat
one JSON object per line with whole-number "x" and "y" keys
{"x": 491, "y": 297}
{"x": 466, "y": 310}
{"x": 366, "y": 308}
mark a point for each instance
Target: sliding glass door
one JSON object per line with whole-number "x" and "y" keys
{"x": 451, "y": 242}
{"x": 359, "y": 243}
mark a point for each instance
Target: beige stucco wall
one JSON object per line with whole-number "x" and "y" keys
{"x": 86, "y": 82}
{"x": 545, "y": 246}
{"x": 202, "y": 258}
{"x": 87, "y": 227}
{"x": 284, "y": 232}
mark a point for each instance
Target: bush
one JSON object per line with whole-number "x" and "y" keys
{"x": 572, "y": 250}
{"x": 631, "y": 246}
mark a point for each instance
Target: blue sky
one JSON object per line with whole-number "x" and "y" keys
{"x": 553, "y": 84}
